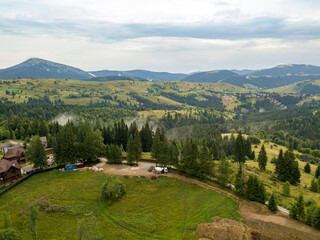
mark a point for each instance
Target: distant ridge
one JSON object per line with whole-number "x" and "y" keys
{"x": 210, "y": 77}
{"x": 40, "y": 68}
{"x": 277, "y": 76}
{"x": 142, "y": 74}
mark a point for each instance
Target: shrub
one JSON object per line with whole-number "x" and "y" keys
{"x": 286, "y": 189}
{"x": 314, "y": 185}
{"x": 272, "y": 205}
{"x": 113, "y": 189}
{"x": 307, "y": 168}
{"x": 8, "y": 234}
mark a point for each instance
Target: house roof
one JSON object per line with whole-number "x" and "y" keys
{"x": 43, "y": 139}
{"x": 5, "y": 165}
{"x": 8, "y": 144}
{"x": 14, "y": 152}
{"x": 28, "y": 168}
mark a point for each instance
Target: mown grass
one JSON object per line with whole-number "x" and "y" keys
{"x": 162, "y": 209}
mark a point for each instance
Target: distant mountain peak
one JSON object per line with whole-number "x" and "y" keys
{"x": 41, "y": 68}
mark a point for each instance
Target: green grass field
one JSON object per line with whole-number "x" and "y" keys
{"x": 163, "y": 209}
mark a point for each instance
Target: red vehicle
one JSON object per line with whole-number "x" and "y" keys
{"x": 80, "y": 165}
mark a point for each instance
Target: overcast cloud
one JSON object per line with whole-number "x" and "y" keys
{"x": 161, "y": 35}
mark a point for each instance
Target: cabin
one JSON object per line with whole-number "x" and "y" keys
{"x": 9, "y": 171}
{"x": 4, "y": 147}
{"x": 44, "y": 141}
{"x": 15, "y": 154}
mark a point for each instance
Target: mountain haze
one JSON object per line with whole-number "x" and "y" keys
{"x": 142, "y": 74}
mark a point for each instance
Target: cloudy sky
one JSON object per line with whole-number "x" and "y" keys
{"x": 161, "y": 35}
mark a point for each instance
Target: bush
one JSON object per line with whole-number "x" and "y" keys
{"x": 314, "y": 185}
{"x": 307, "y": 168}
{"x": 113, "y": 189}
{"x": 272, "y": 205}
{"x": 286, "y": 189}
{"x": 8, "y": 234}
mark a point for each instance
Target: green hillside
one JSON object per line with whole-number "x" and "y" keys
{"x": 161, "y": 209}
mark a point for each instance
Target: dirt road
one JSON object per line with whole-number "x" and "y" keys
{"x": 267, "y": 226}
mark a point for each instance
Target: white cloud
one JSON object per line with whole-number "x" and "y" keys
{"x": 169, "y": 35}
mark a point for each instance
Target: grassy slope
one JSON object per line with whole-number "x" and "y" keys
{"x": 163, "y": 209}
{"x": 292, "y": 88}
{"x": 274, "y": 185}
{"x": 36, "y": 88}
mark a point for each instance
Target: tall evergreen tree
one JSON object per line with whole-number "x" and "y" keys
{"x": 262, "y": 158}
{"x": 146, "y": 137}
{"x": 35, "y": 153}
{"x": 206, "y": 164}
{"x": 164, "y": 150}
{"x": 115, "y": 154}
{"x": 189, "y": 156}
{"x": 239, "y": 149}
{"x": 156, "y": 149}
{"x": 134, "y": 148}
{"x": 240, "y": 181}
{"x": 223, "y": 169}
{"x": 214, "y": 151}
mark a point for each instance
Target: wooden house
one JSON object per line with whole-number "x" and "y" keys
{"x": 9, "y": 171}
{"x": 17, "y": 154}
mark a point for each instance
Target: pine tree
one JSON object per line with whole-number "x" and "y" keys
{"x": 130, "y": 151}
{"x": 280, "y": 163}
{"x": 214, "y": 151}
{"x": 173, "y": 155}
{"x": 297, "y": 210}
{"x": 146, "y": 137}
{"x": 262, "y": 159}
{"x": 255, "y": 189}
{"x": 307, "y": 168}
{"x": 272, "y": 205}
{"x": 205, "y": 163}
{"x": 316, "y": 218}
{"x": 164, "y": 150}
{"x": 223, "y": 169}
{"x": 134, "y": 148}
{"x": 189, "y": 156}
{"x": 317, "y": 173}
{"x": 239, "y": 149}
{"x": 286, "y": 189}
{"x": 156, "y": 149}
{"x": 35, "y": 153}
{"x": 240, "y": 182}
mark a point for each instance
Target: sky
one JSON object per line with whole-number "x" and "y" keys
{"x": 161, "y": 35}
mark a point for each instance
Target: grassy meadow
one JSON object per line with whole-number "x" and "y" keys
{"x": 162, "y": 209}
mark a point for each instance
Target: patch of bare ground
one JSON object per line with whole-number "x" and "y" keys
{"x": 262, "y": 224}
{"x": 223, "y": 229}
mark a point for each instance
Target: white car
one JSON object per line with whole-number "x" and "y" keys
{"x": 161, "y": 170}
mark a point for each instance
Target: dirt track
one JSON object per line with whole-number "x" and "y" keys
{"x": 267, "y": 226}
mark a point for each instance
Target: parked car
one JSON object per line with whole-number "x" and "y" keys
{"x": 161, "y": 170}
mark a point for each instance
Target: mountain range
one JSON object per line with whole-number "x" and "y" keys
{"x": 266, "y": 78}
